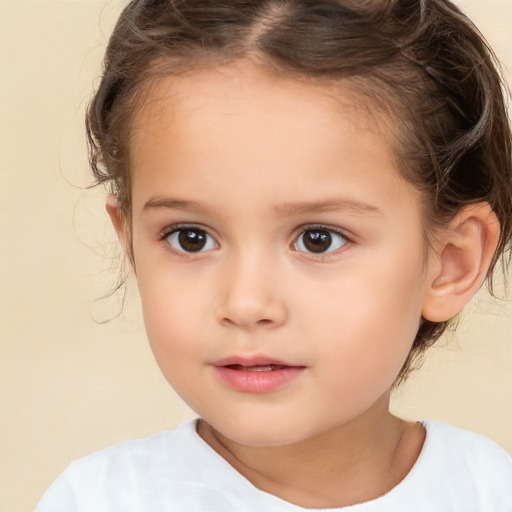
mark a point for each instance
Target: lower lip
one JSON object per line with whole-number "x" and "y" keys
{"x": 258, "y": 381}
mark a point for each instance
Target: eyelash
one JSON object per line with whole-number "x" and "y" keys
{"x": 178, "y": 228}
{"x": 328, "y": 229}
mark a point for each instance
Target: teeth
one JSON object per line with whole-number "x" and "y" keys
{"x": 256, "y": 368}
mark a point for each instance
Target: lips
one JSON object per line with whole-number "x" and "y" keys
{"x": 256, "y": 375}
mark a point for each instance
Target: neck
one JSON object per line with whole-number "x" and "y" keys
{"x": 352, "y": 463}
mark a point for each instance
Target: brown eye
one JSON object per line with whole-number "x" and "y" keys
{"x": 191, "y": 240}
{"x": 319, "y": 240}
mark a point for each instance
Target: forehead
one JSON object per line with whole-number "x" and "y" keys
{"x": 208, "y": 96}
{"x": 240, "y": 122}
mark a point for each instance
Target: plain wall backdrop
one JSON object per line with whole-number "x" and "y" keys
{"x": 71, "y": 385}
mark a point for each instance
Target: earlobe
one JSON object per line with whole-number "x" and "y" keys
{"x": 463, "y": 255}
{"x": 116, "y": 217}
{"x": 120, "y": 225}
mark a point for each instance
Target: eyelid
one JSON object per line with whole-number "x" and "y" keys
{"x": 174, "y": 228}
{"x": 323, "y": 227}
{"x": 169, "y": 230}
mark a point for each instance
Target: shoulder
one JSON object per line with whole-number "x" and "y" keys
{"x": 464, "y": 445}
{"x": 460, "y": 470}
{"x": 120, "y": 476}
{"x": 150, "y": 452}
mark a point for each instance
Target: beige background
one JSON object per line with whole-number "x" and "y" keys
{"x": 70, "y": 385}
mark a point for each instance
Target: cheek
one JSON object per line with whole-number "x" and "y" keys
{"x": 369, "y": 317}
{"x": 171, "y": 328}
{"x": 174, "y": 312}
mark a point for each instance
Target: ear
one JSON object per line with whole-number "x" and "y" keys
{"x": 462, "y": 259}
{"x": 120, "y": 224}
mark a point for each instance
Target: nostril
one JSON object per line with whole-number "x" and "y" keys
{"x": 228, "y": 322}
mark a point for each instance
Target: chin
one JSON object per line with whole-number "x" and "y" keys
{"x": 260, "y": 433}
{"x": 260, "y": 439}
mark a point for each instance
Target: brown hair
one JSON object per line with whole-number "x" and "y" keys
{"x": 422, "y": 61}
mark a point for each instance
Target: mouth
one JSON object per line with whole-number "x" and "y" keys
{"x": 257, "y": 367}
{"x": 259, "y": 375}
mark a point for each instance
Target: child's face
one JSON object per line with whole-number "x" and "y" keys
{"x": 304, "y": 248}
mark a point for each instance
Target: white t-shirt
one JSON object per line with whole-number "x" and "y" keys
{"x": 457, "y": 471}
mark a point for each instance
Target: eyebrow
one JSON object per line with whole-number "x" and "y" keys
{"x": 175, "y": 204}
{"x": 329, "y": 205}
{"x": 282, "y": 210}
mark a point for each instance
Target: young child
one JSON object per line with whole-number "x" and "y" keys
{"x": 307, "y": 191}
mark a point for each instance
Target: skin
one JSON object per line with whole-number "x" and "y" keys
{"x": 254, "y": 160}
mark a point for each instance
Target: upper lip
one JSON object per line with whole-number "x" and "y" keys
{"x": 252, "y": 361}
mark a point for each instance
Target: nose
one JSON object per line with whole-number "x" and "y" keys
{"x": 251, "y": 296}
